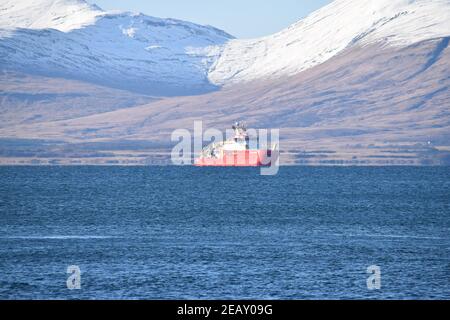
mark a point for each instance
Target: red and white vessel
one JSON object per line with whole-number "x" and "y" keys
{"x": 235, "y": 152}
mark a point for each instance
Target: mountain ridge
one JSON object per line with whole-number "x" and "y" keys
{"x": 174, "y": 57}
{"x": 328, "y": 31}
{"x": 119, "y": 49}
{"x": 62, "y": 15}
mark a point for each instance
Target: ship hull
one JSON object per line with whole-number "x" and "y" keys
{"x": 247, "y": 158}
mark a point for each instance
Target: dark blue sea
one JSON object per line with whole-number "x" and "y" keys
{"x": 228, "y": 233}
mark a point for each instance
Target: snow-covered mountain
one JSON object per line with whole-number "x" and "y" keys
{"x": 327, "y": 32}
{"x": 359, "y": 80}
{"x": 62, "y": 15}
{"x": 70, "y": 38}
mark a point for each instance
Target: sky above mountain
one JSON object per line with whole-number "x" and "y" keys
{"x": 242, "y": 19}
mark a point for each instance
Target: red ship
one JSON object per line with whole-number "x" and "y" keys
{"x": 235, "y": 152}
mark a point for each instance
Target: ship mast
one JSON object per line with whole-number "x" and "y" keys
{"x": 240, "y": 131}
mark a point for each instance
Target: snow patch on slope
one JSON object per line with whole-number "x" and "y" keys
{"x": 328, "y": 32}
{"x": 62, "y": 15}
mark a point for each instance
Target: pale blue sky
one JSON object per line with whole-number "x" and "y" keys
{"x": 241, "y": 18}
